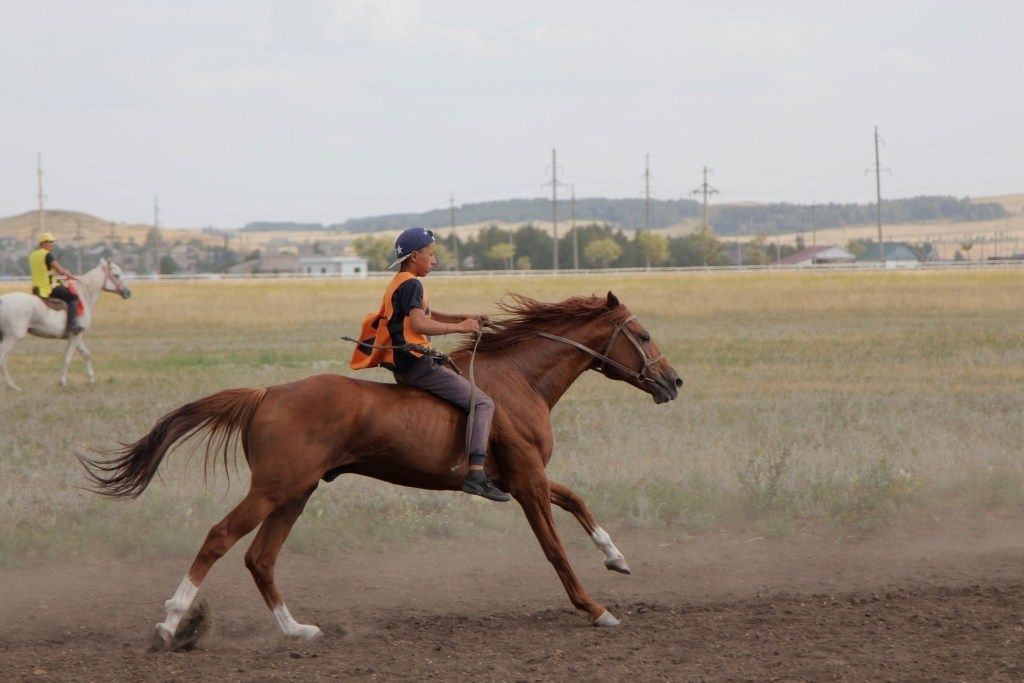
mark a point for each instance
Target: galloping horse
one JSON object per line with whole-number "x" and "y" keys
{"x": 295, "y": 434}
{"x": 22, "y": 314}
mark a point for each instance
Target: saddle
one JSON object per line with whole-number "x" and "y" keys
{"x": 55, "y": 304}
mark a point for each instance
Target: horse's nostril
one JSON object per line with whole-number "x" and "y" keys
{"x": 679, "y": 381}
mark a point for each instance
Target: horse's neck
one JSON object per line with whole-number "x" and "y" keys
{"x": 551, "y": 366}
{"x": 92, "y": 286}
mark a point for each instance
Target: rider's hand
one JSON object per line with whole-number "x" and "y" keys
{"x": 468, "y": 325}
{"x": 483, "y": 319}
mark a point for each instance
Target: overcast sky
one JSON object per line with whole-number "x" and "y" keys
{"x": 321, "y": 111}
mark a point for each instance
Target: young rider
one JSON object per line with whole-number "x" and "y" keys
{"x": 45, "y": 269}
{"x": 405, "y": 317}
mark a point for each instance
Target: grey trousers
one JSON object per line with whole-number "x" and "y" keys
{"x": 429, "y": 375}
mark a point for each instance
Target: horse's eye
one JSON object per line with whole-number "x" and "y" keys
{"x": 645, "y": 337}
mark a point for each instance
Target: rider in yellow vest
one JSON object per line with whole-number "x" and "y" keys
{"x": 45, "y": 269}
{"x": 405, "y": 318}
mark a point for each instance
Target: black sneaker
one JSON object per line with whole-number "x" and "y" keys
{"x": 482, "y": 486}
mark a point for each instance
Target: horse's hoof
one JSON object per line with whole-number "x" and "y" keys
{"x": 306, "y": 632}
{"x": 162, "y": 638}
{"x": 618, "y": 564}
{"x": 606, "y": 619}
{"x": 194, "y": 625}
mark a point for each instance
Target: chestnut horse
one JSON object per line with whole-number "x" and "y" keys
{"x": 293, "y": 435}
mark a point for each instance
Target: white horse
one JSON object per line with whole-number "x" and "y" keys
{"x": 22, "y": 313}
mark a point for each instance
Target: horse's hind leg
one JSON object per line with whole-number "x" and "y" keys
{"x": 244, "y": 518}
{"x": 261, "y": 557}
{"x": 5, "y": 350}
{"x": 80, "y": 345}
{"x": 567, "y": 499}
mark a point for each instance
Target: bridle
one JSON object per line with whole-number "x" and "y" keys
{"x": 620, "y": 328}
{"x": 110, "y": 278}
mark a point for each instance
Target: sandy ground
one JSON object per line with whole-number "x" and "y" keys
{"x": 900, "y": 606}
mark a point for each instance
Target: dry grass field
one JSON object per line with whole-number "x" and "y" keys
{"x": 847, "y": 402}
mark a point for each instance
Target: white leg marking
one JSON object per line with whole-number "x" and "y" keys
{"x": 176, "y": 608}
{"x": 606, "y": 619}
{"x": 292, "y": 628}
{"x": 614, "y": 559}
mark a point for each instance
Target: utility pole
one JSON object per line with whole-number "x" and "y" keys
{"x": 455, "y": 241}
{"x": 647, "y": 192}
{"x": 78, "y": 246}
{"x": 575, "y": 237}
{"x": 878, "y": 196}
{"x": 814, "y": 228}
{"x": 554, "y": 208}
{"x": 39, "y": 184}
{"x": 156, "y": 234}
{"x": 705, "y": 189}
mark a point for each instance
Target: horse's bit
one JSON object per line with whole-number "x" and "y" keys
{"x": 640, "y": 376}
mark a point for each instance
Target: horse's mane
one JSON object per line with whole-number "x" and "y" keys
{"x": 526, "y": 317}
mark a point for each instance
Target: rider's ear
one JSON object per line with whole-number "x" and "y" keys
{"x": 613, "y": 301}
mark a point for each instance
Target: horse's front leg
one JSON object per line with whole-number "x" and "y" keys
{"x": 80, "y": 345}
{"x": 567, "y": 499}
{"x": 535, "y": 498}
{"x": 69, "y": 353}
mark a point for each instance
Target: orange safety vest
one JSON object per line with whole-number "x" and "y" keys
{"x": 375, "y": 331}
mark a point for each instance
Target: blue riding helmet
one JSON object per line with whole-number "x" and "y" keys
{"x": 411, "y": 239}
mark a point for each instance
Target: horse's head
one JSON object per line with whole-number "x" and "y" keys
{"x": 112, "y": 279}
{"x": 635, "y": 358}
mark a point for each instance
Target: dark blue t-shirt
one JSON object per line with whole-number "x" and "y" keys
{"x": 408, "y": 296}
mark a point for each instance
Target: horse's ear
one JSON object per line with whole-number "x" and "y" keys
{"x": 613, "y": 301}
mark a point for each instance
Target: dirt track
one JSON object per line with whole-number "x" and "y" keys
{"x": 902, "y": 606}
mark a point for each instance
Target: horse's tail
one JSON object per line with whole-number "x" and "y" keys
{"x": 133, "y": 466}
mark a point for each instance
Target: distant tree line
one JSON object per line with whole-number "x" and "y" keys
{"x": 726, "y": 219}
{"x": 599, "y": 245}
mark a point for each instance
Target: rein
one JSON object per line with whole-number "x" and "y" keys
{"x": 620, "y": 328}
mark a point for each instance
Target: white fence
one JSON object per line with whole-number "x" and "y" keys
{"x": 820, "y": 268}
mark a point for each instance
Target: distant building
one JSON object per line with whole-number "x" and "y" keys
{"x": 277, "y": 263}
{"x": 896, "y": 254}
{"x": 345, "y": 266}
{"x": 815, "y": 255}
